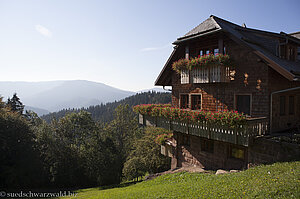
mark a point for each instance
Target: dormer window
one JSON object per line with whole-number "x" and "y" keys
{"x": 291, "y": 53}
{"x": 288, "y": 52}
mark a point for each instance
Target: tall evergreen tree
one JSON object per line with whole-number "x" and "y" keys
{"x": 15, "y": 104}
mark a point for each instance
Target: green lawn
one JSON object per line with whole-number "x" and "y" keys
{"x": 280, "y": 180}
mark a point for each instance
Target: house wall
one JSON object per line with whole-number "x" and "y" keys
{"x": 261, "y": 151}
{"x": 192, "y": 155}
{"x": 286, "y": 121}
{"x": 266, "y": 151}
{"x": 219, "y": 96}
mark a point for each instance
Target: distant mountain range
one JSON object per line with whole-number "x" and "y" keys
{"x": 51, "y": 96}
{"x": 44, "y": 97}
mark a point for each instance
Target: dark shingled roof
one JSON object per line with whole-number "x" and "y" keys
{"x": 207, "y": 25}
{"x": 263, "y": 43}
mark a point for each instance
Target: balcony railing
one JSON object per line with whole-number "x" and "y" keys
{"x": 241, "y": 135}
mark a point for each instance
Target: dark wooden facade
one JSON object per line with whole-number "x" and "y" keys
{"x": 264, "y": 84}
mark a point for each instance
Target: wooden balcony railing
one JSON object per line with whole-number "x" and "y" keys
{"x": 241, "y": 135}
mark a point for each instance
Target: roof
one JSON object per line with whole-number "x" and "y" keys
{"x": 263, "y": 43}
{"x": 295, "y": 34}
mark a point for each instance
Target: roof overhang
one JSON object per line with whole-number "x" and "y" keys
{"x": 164, "y": 72}
{"x": 287, "y": 74}
{"x": 184, "y": 39}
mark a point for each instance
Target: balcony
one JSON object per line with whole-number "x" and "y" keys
{"x": 241, "y": 135}
{"x": 204, "y": 69}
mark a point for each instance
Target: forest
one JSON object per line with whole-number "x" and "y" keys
{"x": 77, "y": 148}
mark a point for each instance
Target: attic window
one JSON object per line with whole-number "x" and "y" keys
{"x": 201, "y": 53}
{"x": 216, "y": 51}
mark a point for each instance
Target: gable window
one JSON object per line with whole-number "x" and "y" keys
{"x": 243, "y": 104}
{"x": 184, "y": 101}
{"x": 185, "y": 77}
{"x": 237, "y": 152}
{"x": 291, "y": 105}
{"x": 207, "y": 145}
{"x": 201, "y": 53}
{"x": 196, "y": 101}
{"x": 216, "y": 51}
{"x": 282, "y": 105}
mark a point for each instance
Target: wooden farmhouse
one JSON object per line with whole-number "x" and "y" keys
{"x": 220, "y": 66}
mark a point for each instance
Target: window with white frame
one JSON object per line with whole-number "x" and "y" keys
{"x": 195, "y": 101}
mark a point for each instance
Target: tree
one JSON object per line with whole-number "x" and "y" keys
{"x": 20, "y": 165}
{"x": 145, "y": 156}
{"x": 2, "y": 103}
{"x": 15, "y": 104}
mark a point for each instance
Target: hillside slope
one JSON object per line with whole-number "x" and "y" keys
{"x": 280, "y": 180}
{"x": 104, "y": 112}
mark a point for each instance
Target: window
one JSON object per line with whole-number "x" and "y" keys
{"x": 201, "y": 53}
{"x": 243, "y": 104}
{"x": 282, "y": 51}
{"x": 236, "y": 152}
{"x": 282, "y": 105}
{"x": 207, "y": 145}
{"x": 184, "y": 101}
{"x": 186, "y": 140}
{"x": 291, "y": 105}
{"x": 185, "y": 77}
{"x": 196, "y": 102}
{"x": 292, "y": 53}
{"x": 207, "y": 52}
{"x": 216, "y": 51}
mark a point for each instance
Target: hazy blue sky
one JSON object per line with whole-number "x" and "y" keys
{"x": 120, "y": 43}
